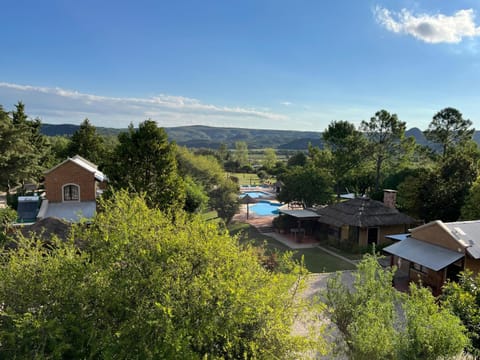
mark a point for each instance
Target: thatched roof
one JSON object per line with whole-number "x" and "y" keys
{"x": 362, "y": 212}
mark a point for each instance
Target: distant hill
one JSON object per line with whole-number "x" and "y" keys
{"x": 212, "y": 137}
{"x": 199, "y": 136}
{"x": 69, "y": 129}
{"x": 418, "y": 135}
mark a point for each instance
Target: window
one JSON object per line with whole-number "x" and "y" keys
{"x": 419, "y": 268}
{"x": 71, "y": 193}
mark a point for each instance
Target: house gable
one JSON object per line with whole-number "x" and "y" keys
{"x": 67, "y": 173}
{"x": 437, "y": 233}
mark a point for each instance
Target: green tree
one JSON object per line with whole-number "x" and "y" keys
{"x": 367, "y": 315}
{"x": 59, "y": 147}
{"x": 298, "y": 159}
{"x": 7, "y": 217}
{"x": 347, "y": 146}
{"x": 448, "y": 128}
{"x": 87, "y": 143}
{"x": 37, "y": 147}
{"x": 23, "y": 150}
{"x": 432, "y": 332}
{"x": 269, "y": 158}
{"x": 196, "y": 199}
{"x": 443, "y": 193}
{"x": 471, "y": 207}
{"x": 144, "y": 162}
{"x": 409, "y": 197}
{"x": 384, "y": 132}
{"x": 146, "y": 287}
{"x": 207, "y": 172}
{"x": 241, "y": 153}
{"x": 223, "y": 152}
{"x": 463, "y": 299}
{"x": 308, "y": 185}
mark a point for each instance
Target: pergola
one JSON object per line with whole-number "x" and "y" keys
{"x": 300, "y": 215}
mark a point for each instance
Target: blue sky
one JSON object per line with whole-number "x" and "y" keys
{"x": 269, "y": 64}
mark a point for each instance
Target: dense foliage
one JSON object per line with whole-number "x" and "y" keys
{"x": 208, "y": 174}
{"x": 144, "y": 162}
{"x": 144, "y": 286}
{"x": 87, "y": 143}
{"x": 348, "y": 147}
{"x": 370, "y": 317}
{"x": 448, "y": 129}
{"x": 384, "y": 132}
{"x": 308, "y": 185}
{"x": 24, "y": 152}
{"x": 463, "y": 299}
{"x": 7, "y": 217}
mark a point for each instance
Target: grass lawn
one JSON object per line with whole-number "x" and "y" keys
{"x": 246, "y": 179}
{"x": 315, "y": 260}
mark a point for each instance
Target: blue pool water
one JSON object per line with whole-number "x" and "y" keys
{"x": 265, "y": 208}
{"x": 255, "y": 194}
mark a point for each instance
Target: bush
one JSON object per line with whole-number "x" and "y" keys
{"x": 7, "y": 217}
{"x": 147, "y": 286}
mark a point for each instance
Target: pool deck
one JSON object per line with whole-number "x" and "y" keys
{"x": 266, "y": 190}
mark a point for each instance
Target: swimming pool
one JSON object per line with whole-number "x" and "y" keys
{"x": 265, "y": 208}
{"x": 256, "y": 194}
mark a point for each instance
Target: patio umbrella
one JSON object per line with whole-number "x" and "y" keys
{"x": 247, "y": 199}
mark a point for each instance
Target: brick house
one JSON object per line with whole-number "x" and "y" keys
{"x": 72, "y": 188}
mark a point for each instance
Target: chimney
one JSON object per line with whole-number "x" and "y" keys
{"x": 390, "y": 198}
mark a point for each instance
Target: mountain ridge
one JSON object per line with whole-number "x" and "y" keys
{"x": 202, "y": 136}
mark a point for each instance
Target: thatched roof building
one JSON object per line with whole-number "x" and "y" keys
{"x": 362, "y": 221}
{"x": 362, "y": 212}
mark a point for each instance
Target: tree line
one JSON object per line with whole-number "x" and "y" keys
{"x": 431, "y": 184}
{"x": 141, "y": 160}
{"x": 439, "y": 183}
{"x": 148, "y": 278}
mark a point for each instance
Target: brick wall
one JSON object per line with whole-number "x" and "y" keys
{"x": 70, "y": 173}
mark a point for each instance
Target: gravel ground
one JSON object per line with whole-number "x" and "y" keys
{"x": 316, "y": 283}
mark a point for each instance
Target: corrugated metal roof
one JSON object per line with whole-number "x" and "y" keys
{"x": 71, "y": 211}
{"x": 87, "y": 165}
{"x": 397, "y": 237}
{"x": 420, "y": 252}
{"x": 100, "y": 176}
{"x": 300, "y": 213}
{"x": 467, "y": 233}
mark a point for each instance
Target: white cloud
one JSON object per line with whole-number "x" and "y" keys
{"x": 286, "y": 103}
{"x": 56, "y": 105}
{"x": 433, "y": 29}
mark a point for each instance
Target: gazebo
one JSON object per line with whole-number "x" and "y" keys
{"x": 247, "y": 199}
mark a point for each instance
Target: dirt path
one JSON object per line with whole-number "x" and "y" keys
{"x": 316, "y": 320}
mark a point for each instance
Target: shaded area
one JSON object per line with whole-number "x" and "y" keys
{"x": 316, "y": 260}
